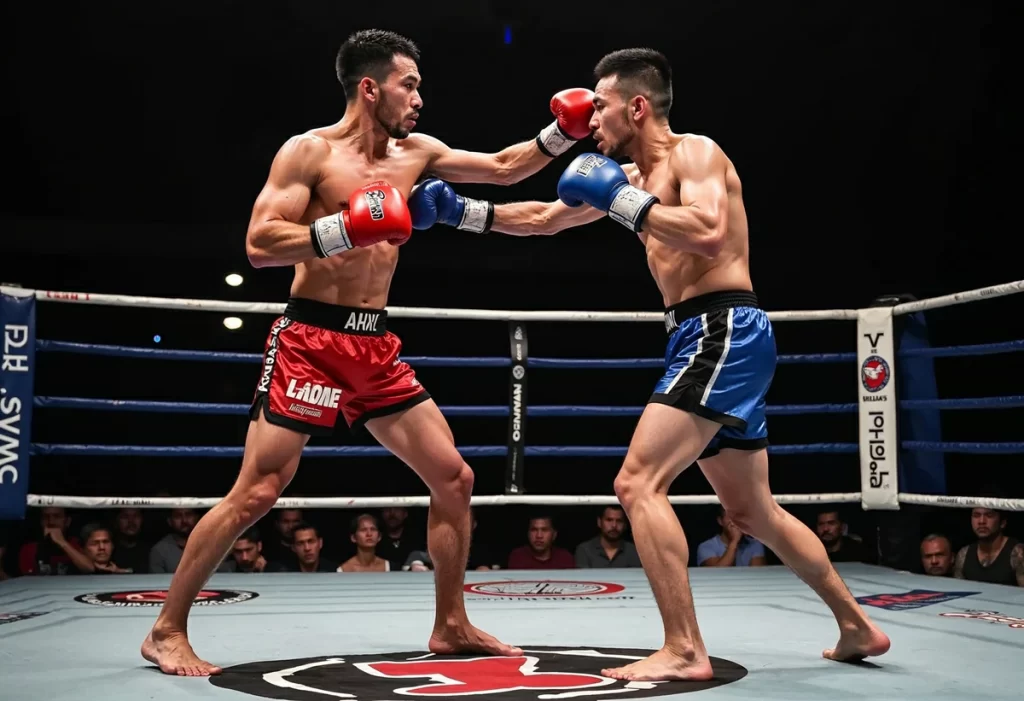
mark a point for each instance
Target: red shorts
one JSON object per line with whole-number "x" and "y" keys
{"x": 322, "y": 359}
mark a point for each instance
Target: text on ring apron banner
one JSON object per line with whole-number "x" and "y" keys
{"x": 17, "y": 372}
{"x": 515, "y": 465}
{"x": 876, "y": 394}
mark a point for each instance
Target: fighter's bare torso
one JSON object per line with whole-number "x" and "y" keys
{"x": 681, "y": 275}
{"x": 360, "y": 277}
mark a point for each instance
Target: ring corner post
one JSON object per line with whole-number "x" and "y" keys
{"x": 17, "y": 374}
{"x": 876, "y": 401}
{"x": 515, "y": 460}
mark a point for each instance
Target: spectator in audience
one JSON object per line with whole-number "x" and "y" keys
{"x": 937, "y": 555}
{"x": 130, "y": 551}
{"x": 730, "y": 548}
{"x": 398, "y": 539}
{"x": 541, "y": 553}
{"x": 166, "y": 554}
{"x": 995, "y": 557}
{"x": 55, "y": 553}
{"x": 279, "y": 549}
{"x": 307, "y": 544}
{"x": 99, "y": 549}
{"x": 366, "y": 536}
{"x": 839, "y": 546}
{"x": 248, "y": 554}
{"x": 609, "y": 548}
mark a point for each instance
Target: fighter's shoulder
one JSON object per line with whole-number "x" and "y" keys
{"x": 303, "y": 151}
{"x": 424, "y": 142}
{"x": 697, "y": 147}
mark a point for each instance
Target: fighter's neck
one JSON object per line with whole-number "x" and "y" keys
{"x": 357, "y": 127}
{"x": 652, "y": 147}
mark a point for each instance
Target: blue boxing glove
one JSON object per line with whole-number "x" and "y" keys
{"x": 600, "y": 182}
{"x": 433, "y": 201}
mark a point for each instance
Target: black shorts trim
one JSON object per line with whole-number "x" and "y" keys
{"x": 358, "y": 321}
{"x": 685, "y": 401}
{"x": 395, "y": 408}
{"x": 734, "y": 443}
{"x": 719, "y": 301}
{"x": 263, "y": 400}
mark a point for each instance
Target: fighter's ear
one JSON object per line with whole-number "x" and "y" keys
{"x": 369, "y": 88}
{"x": 639, "y": 107}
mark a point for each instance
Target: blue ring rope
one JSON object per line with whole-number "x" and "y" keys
{"x": 209, "y": 451}
{"x": 500, "y": 451}
{"x": 495, "y": 362}
{"x": 502, "y": 410}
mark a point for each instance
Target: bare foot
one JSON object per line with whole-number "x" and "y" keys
{"x": 665, "y": 665}
{"x": 857, "y": 643}
{"x": 172, "y": 653}
{"x": 458, "y": 639}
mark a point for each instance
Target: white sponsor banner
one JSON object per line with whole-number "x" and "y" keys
{"x": 876, "y": 392}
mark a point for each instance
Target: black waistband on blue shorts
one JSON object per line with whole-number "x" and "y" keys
{"x": 334, "y": 317}
{"x": 706, "y": 303}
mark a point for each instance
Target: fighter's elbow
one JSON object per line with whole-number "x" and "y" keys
{"x": 256, "y": 252}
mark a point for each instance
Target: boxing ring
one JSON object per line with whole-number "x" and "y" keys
{"x": 363, "y": 636}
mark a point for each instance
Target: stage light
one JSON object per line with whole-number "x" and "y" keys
{"x": 234, "y": 279}
{"x": 233, "y": 323}
{"x": 508, "y": 34}
{"x": 156, "y": 339}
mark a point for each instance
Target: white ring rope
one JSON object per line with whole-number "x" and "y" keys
{"x": 382, "y": 502}
{"x": 86, "y": 502}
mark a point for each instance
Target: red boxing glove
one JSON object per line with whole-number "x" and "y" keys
{"x": 376, "y": 212}
{"x": 573, "y": 109}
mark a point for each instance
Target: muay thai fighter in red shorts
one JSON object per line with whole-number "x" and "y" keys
{"x": 335, "y": 207}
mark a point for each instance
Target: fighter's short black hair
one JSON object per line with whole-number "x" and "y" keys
{"x": 640, "y": 72}
{"x": 369, "y": 52}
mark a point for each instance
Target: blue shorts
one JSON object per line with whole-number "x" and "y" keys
{"x": 719, "y": 364}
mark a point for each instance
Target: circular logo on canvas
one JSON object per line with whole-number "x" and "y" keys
{"x": 541, "y": 672}
{"x": 542, "y": 588}
{"x": 156, "y": 597}
{"x": 874, "y": 373}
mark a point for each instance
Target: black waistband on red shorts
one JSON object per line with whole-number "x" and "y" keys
{"x": 334, "y": 317}
{"x": 706, "y": 303}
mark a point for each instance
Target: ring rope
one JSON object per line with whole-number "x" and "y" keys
{"x": 478, "y": 451}
{"x": 168, "y": 407}
{"x": 82, "y": 502}
{"x": 397, "y": 312}
{"x": 108, "y": 502}
{"x": 1006, "y": 288}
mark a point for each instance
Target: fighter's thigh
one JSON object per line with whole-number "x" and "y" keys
{"x": 421, "y": 438}
{"x": 740, "y": 479}
{"x": 271, "y": 457}
{"x": 666, "y": 441}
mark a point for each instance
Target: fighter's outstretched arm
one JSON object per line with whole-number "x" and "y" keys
{"x": 540, "y": 218}
{"x": 572, "y": 108}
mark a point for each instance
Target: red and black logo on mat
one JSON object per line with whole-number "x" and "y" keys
{"x": 546, "y": 589}
{"x": 914, "y": 599}
{"x": 156, "y": 597}
{"x": 539, "y": 673}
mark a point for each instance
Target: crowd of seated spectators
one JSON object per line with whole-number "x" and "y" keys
{"x": 386, "y": 541}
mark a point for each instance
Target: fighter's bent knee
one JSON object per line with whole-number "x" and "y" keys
{"x": 635, "y": 479}
{"x": 456, "y": 488}
{"x": 256, "y": 501}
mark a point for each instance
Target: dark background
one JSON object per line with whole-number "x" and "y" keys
{"x": 871, "y": 140}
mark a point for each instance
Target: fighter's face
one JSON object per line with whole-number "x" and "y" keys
{"x": 400, "y": 103}
{"x": 612, "y": 129}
